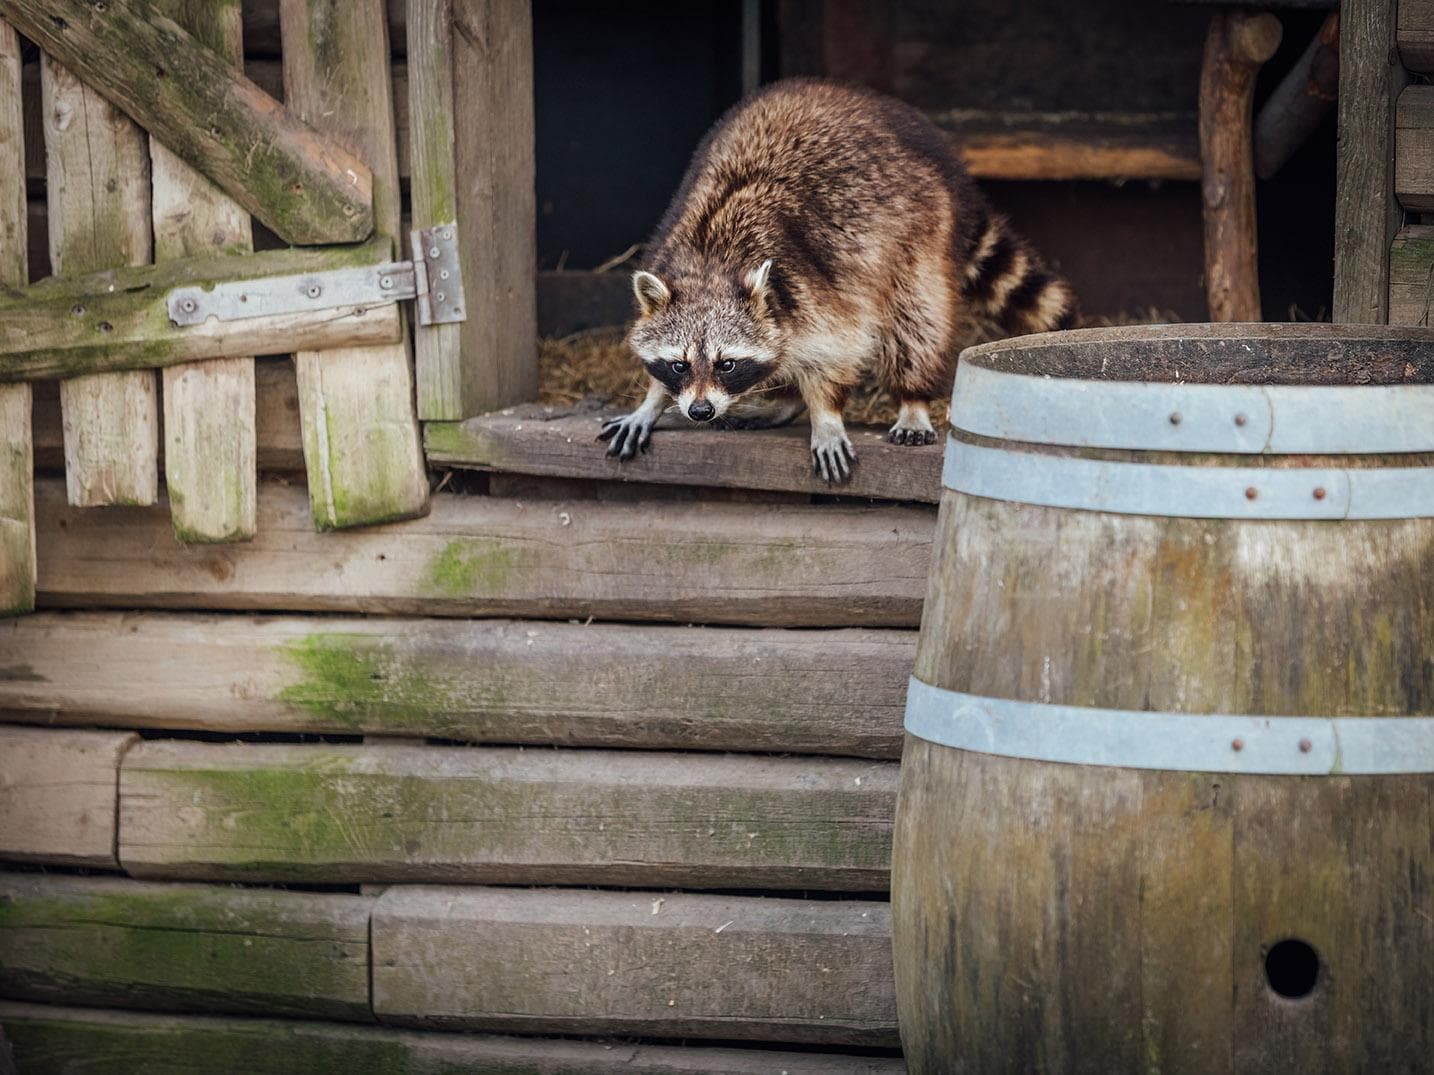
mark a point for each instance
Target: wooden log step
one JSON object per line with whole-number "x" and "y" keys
{"x": 680, "y": 965}
{"x": 497, "y": 681}
{"x": 79, "y": 1041}
{"x": 130, "y": 944}
{"x": 58, "y": 796}
{"x": 560, "y": 440}
{"x": 478, "y": 556}
{"x": 336, "y": 814}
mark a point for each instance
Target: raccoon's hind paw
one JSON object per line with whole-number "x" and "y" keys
{"x": 913, "y": 424}
{"x": 627, "y": 435}
{"x": 832, "y": 457}
{"x": 903, "y": 435}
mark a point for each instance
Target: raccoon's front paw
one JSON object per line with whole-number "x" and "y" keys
{"x": 913, "y": 424}
{"x": 627, "y": 435}
{"x": 832, "y": 455}
{"x": 908, "y": 435}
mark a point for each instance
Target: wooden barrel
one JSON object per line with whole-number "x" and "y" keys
{"x": 1166, "y": 795}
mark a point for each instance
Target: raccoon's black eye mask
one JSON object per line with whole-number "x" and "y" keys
{"x": 744, "y": 374}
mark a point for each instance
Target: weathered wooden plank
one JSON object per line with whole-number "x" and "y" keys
{"x": 634, "y": 963}
{"x": 361, "y": 436}
{"x": 1416, "y": 35}
{"x": 389, "y": 813}
{"x": 304, "y": 187}
{"x": 1414, "y": 147}
{"x": 98, "y": 187}
{"x": 804, "y": 692}
{"x": 123, "y": 320}
{"x": 17, "y": 466}
{"x": 561, "y": 441}
{"x": 130, "y": 944}
{"x": 1366, "y": 213}
{"x": 769, "y": 565}
{"x": 75, "y": 1040}
{"x": 497, "y": 212}
{"x": 262, "y": 32}
{"x": 1411, "y": 263}
{"x": 276, "y": 419}
{"x": 209, "y": 464}
{"x": 58, "y": 795}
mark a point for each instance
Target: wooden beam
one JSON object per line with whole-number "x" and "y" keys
{"x": 1366, "y": 212}
{"x": 107, "y": 941}
{"x": 50, "y": 1038}
{"x": 1415, "y": 34}
{"x": 209, "y": 448}
{"x": 497, "y": 211}
{"x": 1414, "y": 148}
{"x": 305, "y": 188}
{"x": 1299, "y": 103}
{"x": 1411, "y": 268}
{"x": 361, "y": 436}
{"x": 17, "y": 464}
{"x": 558, "y": 440}
{"x": 478, "y": 556}
{"x": 58, "y": 796}
{"x": 1237, "y": 44}
{"x": 340, "y": 814}
{"x": 119, "y": 319}
{"x": 98, "y": 193}
{"x": 493, "y": 681}
{"x": 635, "y": 963}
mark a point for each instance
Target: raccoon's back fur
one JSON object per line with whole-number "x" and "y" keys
{"x": 880, "y": 242}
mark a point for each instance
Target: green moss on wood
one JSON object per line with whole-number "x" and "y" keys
{"x": 471, "y": 566}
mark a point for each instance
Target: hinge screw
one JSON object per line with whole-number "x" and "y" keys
{"x": 440, "y": 296}
{"x": 1237, "y": 745}
{"x": 446, "y": 234}
{"x": 443, "y": 274}
{"x": 1306, "y": 746}
{"x": 1319, "y": 492}
{"x": 189, "y": 306}
{"x": 385, "y": 282}
{"x": 1251, "y": 492}
{"x": 1175, "y": 419}
{"x": 1240, "y": 419}
{"x": 314, "y": 291}
{"x": 433, "y": 251}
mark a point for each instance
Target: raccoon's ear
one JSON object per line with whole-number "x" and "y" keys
{"x": 652, "y": 294}
{"x": 756, "y": 285}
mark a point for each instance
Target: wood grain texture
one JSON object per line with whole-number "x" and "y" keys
{"x": 73, "y": 1040}
{"x": 806, "y": 692}
{"x": 1366, "y": 212}
{"x": 209, "y": 446}
{"x": 129, "y": 944}
{"x": 1236, "y": 46}
{"x": 1416, "y": 35}
{"x": 1414, "y": 147}
{"x": 98, "y": 193}
{"x": 497, "y": 209}
{"x": 361, "y": 436}
{"x": 337, "y": 814}
{"x": 17, "y": 493}
{"x": 716, "y": 563}
{"x": 58, "y": 795}
{"x": 304, "y": 187}
{"x": 634, "y": 963}
{"x": 558, "y": 440}
{"x": 1411, "y": 275}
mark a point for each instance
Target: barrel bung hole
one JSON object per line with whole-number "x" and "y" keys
{"x": 1292, "y": 968}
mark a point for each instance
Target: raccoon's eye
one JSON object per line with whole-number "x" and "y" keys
{"x": 678, "y": 367}
{"x": 727, "y": 365}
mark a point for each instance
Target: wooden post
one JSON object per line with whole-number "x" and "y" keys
{"x": 1366, "y": 215}
{"x": 1237, "y": 44}
{"x": 209, "y": 443}
{"x": 17, "y": 462}
{"x": 361, "y": 437}
{"x": 1299, "y": 102}
{"x": 497, "y": 213}
{"x": 98, "y": 170}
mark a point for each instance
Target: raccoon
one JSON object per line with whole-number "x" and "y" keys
{"x": 822, "y": 231}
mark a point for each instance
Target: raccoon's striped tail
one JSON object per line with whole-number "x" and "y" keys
{"x": 1007, "y": 282}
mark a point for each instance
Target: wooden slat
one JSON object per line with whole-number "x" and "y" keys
{"x": 17, "y": 494}
{"x": 762, "y": 564}
{"x": 58, "y": 795}
{"x": 1411, "y": 275}
{"x": 1416, "y": 35}
{"x": 1366, "y": 213}
{"x": 71, "y": 1041}
{"x": 98, "y": 184}
{"x": 209, "y": 464}
{"x": 1414, "y": 148}
{"x": 129, "y": 944}
{"x": 634, "y": 963}
{"x": 804, "y": 692}
{"x": 262, "y": 35}
{"x": 388, "y": 813}
{"x": 361, "y": 437}
{"x": 497, "y": 210}
{"x": 561, "y": 441}
{"x": 304, "y": 187}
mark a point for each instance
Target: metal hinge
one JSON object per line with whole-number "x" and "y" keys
{"x": 433, "y": 278}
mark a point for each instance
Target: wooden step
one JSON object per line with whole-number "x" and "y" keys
{"x": 80, "y": 1041}
{"x": 678, "y": 965}
{"x": 561, "y": 441}
{"x": 343, "y": 814}
{"x": 494, "y": 681}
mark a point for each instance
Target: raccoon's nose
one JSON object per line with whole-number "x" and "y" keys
{"x": 701, "y": 411}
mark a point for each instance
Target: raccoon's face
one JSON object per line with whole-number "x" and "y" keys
{"x": 708, "y": 339}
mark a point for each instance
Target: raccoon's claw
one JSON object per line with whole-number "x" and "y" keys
{"x": 627, "y": 435}
{"x": 833, "y": 458}
{"x": 907, "y": 435}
